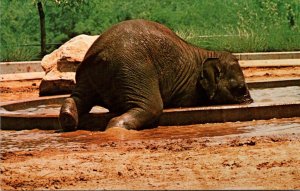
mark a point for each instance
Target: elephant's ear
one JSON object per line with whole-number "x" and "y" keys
{"x": 209, "y": 76}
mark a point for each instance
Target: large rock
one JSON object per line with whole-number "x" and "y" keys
{"x": 60, "y": 66}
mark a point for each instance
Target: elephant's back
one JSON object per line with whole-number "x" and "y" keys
{"x": 132, "y": 37}
{"x": 134, "y": 42}
{"x": 131, "y": 42}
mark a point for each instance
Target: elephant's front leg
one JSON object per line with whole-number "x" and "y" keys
{"x": 80, "y": 102}
{"x": 71, "y": 111}
{"x": 138, "y": 95}
{"x": 143, "y": 108}
{"x": 68, "y": 116}
{"x": 136, "y": 118}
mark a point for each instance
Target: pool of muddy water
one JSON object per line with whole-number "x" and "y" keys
{"x": 29, "y": 140}
{"x": 269, "y": 95}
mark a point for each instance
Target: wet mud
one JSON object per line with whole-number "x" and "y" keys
{"x": 240, "y": 155}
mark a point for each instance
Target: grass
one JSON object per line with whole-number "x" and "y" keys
{"x": 245, "y": 41}
{"x": 20, "y": 53}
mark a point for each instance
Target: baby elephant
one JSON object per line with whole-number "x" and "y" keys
{"x": 137, "y": 67}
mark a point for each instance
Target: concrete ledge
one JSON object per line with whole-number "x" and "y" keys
{"x": 229, "y": 113}
{"x": 212, "y": 114}
{"x": 270, "y": 63}
{"x": 184, "y": 116}
{"x": 13, "y": 122}
{"x": 268, "y": 55}
{"x": 35, "y": 66}
{"x": 274, "y": 83}
{"x": 20, "y": 67}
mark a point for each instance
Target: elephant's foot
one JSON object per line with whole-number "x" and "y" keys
{"x": 121, "y": 122}
{"x": 135, "y": 119}
{"x": 68, "y": 116}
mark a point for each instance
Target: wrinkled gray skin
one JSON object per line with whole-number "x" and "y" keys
{"x": 136, "y": 68}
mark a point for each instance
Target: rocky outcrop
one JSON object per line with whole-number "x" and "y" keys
{"x": 60, "y": 66}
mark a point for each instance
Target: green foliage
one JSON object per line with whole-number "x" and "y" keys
{"x": 233, "y": 25}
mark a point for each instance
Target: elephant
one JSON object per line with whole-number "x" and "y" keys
{"x": 137, "y": 68}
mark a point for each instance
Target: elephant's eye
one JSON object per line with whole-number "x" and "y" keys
{"x": 218, "y": 76}
{"x": 239, "y": 89}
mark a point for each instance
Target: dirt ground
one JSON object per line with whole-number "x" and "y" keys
{"x": 271, "y": 73}
{"x": 261, "y": 154}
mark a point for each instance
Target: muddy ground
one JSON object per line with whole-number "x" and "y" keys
{"x": 261, "y": 154}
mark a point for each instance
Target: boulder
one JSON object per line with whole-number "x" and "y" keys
{"x": 60, "y": 65}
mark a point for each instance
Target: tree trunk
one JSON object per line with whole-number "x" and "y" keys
{"x": 43, "y": 28}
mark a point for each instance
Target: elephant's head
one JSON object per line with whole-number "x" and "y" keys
{"x": 223, "y": 81}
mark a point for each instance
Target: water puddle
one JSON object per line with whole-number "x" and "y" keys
{"x": 252, "y": 128}
{"x": 28, "y": 140}
{"x": 51, "y": 109}
{"x": 39, "y": 140}
{"x": 276, "y": 95}
{"x": 272, "y": 128}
